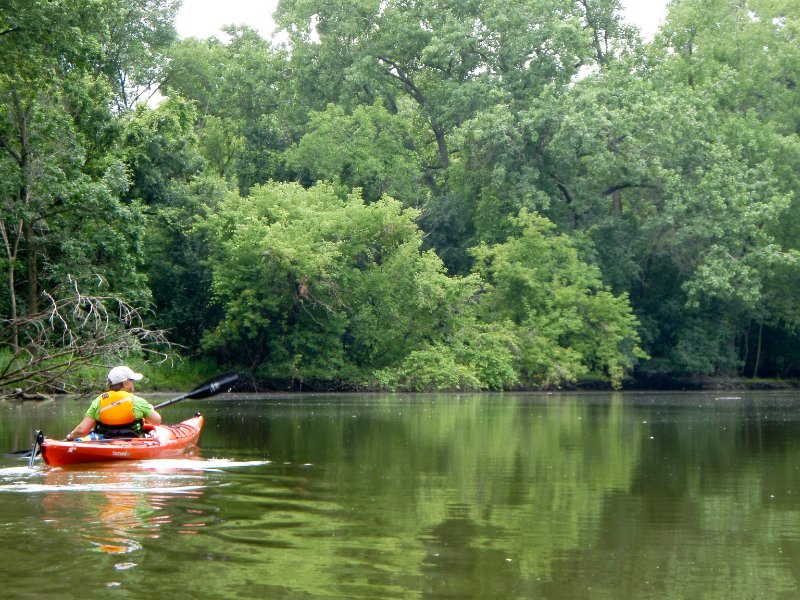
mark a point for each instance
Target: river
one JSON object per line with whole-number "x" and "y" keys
{"x": 489, "y": 496}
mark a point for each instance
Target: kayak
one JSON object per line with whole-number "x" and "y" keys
{"x": 160, "y": 442}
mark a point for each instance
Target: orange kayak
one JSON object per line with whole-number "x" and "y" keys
{"x": 161, "y": 442}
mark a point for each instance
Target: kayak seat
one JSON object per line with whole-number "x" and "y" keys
{"x": 120, "y": 433}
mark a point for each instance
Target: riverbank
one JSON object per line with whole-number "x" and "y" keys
{"x": 696, "y": 384}
{"x": 176, "y": 379}
{"x": 249, "y": 384}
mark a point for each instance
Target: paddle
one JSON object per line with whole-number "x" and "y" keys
{"x": 210, "y": 388}
{"x": 38, "y": 438}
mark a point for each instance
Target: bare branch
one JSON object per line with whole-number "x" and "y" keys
{"x": 75, "y": 331}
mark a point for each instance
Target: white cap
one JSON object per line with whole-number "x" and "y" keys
{"x": 120, "y": 374}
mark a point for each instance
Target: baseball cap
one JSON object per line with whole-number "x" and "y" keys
{"x": 122, "y": 373}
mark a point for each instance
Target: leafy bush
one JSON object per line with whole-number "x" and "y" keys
{"x": 428, "y": 370}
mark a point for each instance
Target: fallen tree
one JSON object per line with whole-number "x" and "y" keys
{"x": 53, "y": 349}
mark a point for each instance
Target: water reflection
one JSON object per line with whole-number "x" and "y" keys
{"x": 114, "y": 508}
{"x": 514, "y": 496}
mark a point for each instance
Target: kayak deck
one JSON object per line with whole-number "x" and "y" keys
{"x": 163, "y": 441}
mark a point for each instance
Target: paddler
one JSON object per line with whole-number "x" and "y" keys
{"x": 118, "y": 412}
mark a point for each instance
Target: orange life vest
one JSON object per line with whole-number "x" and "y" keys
{"x": 116, "y": 408}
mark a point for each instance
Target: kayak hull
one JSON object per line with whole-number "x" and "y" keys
{"x": 163, "y": 442}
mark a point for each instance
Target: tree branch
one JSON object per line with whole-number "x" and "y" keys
{"x": 627, "y": 185}
{"x": 404, "y": 79}
{"x": 73, "y": 331}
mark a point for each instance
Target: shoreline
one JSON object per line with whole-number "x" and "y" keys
{"x": 665, "y": 384}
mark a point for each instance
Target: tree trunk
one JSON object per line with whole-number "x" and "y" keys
{"x": 31, "y": 249}
{"x": 12, "y": 298}
{"x": 758, "y": 351}
{"x": 616, "y": 203}
{"x": 441, "y": 144}
{"x": 10, "y": 243}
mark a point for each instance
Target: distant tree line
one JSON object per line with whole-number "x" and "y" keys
{"x": 411, "y": 195}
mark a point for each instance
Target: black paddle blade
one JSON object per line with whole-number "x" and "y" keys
{"x": 38, "y": 438}
{"x": 213, "y": 386}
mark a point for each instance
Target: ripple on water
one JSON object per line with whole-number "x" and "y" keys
{"x": 116, "y": 508}
{"x": 211, "y": 464}
{"x": 174, "y": 476}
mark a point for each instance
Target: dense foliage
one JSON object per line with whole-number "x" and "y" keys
{"x": 416, "y": 194}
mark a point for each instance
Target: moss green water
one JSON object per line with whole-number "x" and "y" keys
{"x": 432, "y": 496}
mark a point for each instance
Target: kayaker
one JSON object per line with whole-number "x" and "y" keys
{"x": 118, "y": 411}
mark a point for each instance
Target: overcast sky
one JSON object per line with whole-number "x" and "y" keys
{"x": 204, "y": 18}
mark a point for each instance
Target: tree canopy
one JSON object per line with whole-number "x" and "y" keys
{"x": 412, "y": 194}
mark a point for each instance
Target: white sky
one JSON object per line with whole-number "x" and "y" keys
{"x": 204, "y": 18}
{"x": 647, "y": 14}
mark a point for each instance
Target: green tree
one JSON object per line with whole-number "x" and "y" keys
{"x": 176, "y": 262}
{"x": 135, "y": 36}
{"x": 370, "y": 149}
{"x": 452, "y": 60}
{"x": 62, "y": 164}
{"x": 567, "y": 323}
{"x": 167, "y": 177}
{"x": 247, "y": 111}
{"x": 738, "y": 57}
{"x": 161, "y": 151}
{"x": 280, "y": 261}
{"x": 316, "y": 288}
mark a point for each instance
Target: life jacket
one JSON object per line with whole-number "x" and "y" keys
{"x": 116, "y": 409}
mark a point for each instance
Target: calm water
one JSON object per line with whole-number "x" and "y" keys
{"x": 432, "y": 496}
